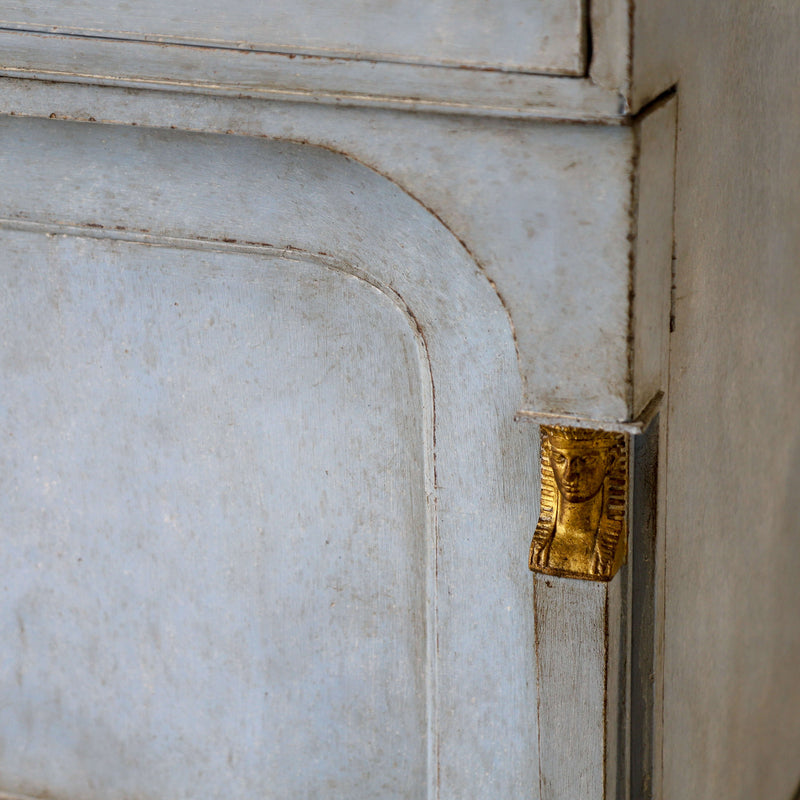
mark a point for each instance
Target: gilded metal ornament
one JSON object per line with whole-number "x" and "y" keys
{"x": 582, "y": 528}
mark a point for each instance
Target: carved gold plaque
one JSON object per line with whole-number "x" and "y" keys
{"x": 582, "y": 528}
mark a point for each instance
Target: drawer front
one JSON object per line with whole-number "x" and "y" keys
{"x": 546, "y": 36}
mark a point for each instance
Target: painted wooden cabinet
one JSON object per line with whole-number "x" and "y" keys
{"x": 289, "y": 292}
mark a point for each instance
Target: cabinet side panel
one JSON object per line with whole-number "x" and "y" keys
{"x": 732, "y": 706}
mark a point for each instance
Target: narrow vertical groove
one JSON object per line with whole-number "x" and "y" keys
{"x": 587, "y": 43}
{"x": 644, "y": 627}
{"x": 432, "y": 557}
{"x": 663, "y": 512}
{"x": 633, "y": 218}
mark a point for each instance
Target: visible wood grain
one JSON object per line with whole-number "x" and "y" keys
{"x": 275, "y": 76}
{"x": 546, "y": 36}
{"x": 652, "y": 253}
{"x": 339, "y": 299}
{"x": 216, "y": 539}
{"x": 578, "y": 625}
{"x": 543, "y": 209}
{"x": 731, "y": 699}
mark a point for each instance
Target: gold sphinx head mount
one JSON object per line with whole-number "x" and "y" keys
{"x": 582, "y": 527}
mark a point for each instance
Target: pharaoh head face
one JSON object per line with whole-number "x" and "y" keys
{"x": 579, "y": 467}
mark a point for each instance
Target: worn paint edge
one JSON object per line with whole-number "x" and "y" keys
{"x": 633, "y": 426}
{"x": 576, "y": 68}
{"x": 633, "y": 234}
{"x": 323, "y": 145}
{"x": 560, "y": 110}
{"x": 644, "y": 614}
{"x": 276, "y": 76}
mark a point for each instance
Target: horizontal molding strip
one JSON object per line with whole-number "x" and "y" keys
{"x": 634, "y": 426}
{"x": 296, "y": 50}
{"x": 310, "y": 79}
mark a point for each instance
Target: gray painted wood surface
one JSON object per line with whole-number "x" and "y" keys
{"x": 549, "y": 211}
{"x": 545, "y": 36}
{"x": 730, "y": 655}
{"x": 328, "y": 81}
{"x": 207, "y": 592}
{"x": 585, "y": 48}
{"x": 214, "y": 576}
{"x": 215, "y": 197}
{"x": 652, "y": 260}
{"x": 732, "y": 643}
{"x": 546, "y": 210}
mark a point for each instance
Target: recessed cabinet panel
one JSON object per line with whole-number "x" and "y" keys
{"x": 216, "y": 542}
{"x": 542, "y": 36}
{"x": 265, "y": 503}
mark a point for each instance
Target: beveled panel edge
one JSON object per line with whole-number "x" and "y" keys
{"x": 633, "y": 426}
{"x": 570, "y": 62}
{"x": 310, "y": 79}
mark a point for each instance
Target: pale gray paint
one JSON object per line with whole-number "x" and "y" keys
{"x": 206, "y": 593}
{"x": 443, "y": 163}
{"x": 543, "y": 36}
{"x": 730, "y": 653}
{"x": 510, "y": 192}
{"x": 481, "y": 680}
{"x": 652, "y": 271}
{"x": 545, "y": 210}
{"x": 571, "y": 667}
{"x": 732, "y": 703}
{"x": 341, "y": 82}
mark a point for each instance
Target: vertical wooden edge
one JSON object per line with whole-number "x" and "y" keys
{"x": 646, "y": 673}
{"x": 610, "y": 53}
{"x": 653, "y": 63}
{"x": 652, "y": 257}
{"x": 659, "y": 602}
{"x": 651, "y": 322}
{"x": 581, "y": 664}
{"x": 617, "y": 686}
{"x": 582, "y": 641}
{"x": 536, "y": 630}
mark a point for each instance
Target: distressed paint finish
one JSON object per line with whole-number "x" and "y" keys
{"x": 582, "y": 673}
{"x": 551, "y": 212}
{"x": 545, "y": 36}
{"x": 275, "y": 76}
{"x": 203, "y": 587}
{"x": 633, "y": 57}
{"x": 733, "y": 532}
{"x": 178, "y": 197}
{"x": 651, "y": 253}
{"x": 550, "y": 229}
{"x": 545, "y": 210}
{"x": 732, "y": 567}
